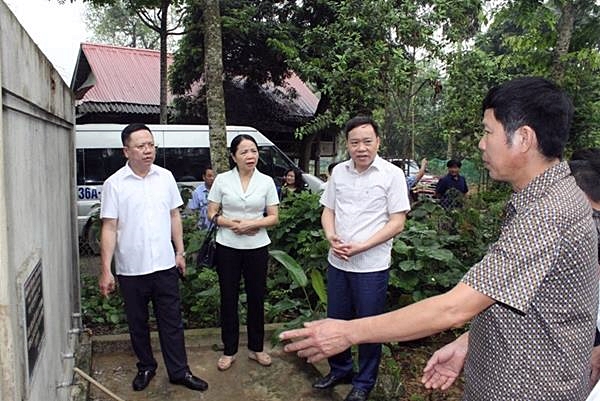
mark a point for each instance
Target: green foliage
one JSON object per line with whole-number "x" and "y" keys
{"x": 254, "y": 34}
{"x": 522, "y": 40}
{"x": 428, "y": 258}
{"x": 299, "y": 246}
{"x": 438, "y": 246}
{"x": 200, "y": 296}
{"x": 117, "y": 24}
{"x": 98, "y": 310}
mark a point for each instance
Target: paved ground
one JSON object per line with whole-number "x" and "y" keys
{"x": 287, "y": 379}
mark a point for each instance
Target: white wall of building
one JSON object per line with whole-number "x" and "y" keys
{"x": 37, "y": 217}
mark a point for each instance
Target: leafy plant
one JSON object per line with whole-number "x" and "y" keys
{"x": 428, "y": 258}
{"x": 438, "y": 246}
{"x": 300, "y": 247}
{"x": 101, "y": 311}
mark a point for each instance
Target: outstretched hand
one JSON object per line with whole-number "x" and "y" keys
{"x": 445, "y": 365}
{"x": 318, "y": 340}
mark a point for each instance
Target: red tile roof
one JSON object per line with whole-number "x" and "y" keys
{"x": 123, "y": 74}
{"x": 114, "y": 76}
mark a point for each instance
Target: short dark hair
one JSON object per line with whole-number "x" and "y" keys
{"x": 535, "y": 102}
{"x": 235, "y": 142}
{"x": 209, "y": 167}
{"x": 586, "y": 154}
{"x": 585, "y": 167}
{"x": 130, "y": 129}
{"x": 453, "y": 163}
{"x": 358, "y": 121}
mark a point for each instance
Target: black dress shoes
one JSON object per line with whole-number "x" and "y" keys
{"x": 357, "y": 394}
{"x": 192, "y": 382}
{"x": 142, "y": 379}
{"x": 332, "y": 380}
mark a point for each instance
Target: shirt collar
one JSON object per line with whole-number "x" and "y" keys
{"x": 129, "y": 172}
{"x": 538, "y": 187}
{"x": 377, "y": 164}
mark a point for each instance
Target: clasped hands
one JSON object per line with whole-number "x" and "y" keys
{"x": 324, "y": 338}
{"x": 343, "y": 250}
{"x": 244, "y": 227}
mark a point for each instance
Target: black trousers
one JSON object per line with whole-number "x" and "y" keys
{"x": 162, "y": 288}
{"x": 232, "y": 264}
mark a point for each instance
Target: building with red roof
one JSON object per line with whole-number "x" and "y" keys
{"x": 114, "y": 84}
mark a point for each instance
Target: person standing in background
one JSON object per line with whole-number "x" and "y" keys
{"x": 451, "y": 187}
{"x": 585, "y": 167}
{"x": 199, "y": 199}
{"x": 293, "y": 183}
{"x": 140, "y": 217}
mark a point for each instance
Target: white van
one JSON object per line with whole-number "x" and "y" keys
{"x": 182, "y": 149}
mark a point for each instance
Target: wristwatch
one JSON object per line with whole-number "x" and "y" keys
{"x": 180, "y": 253}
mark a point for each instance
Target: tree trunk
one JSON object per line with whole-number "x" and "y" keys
{"x": 307, "y": 141}
{"x": 450, "y": 148}
{"x": 163, "y": 61}
{"x": 215, "y": 97}
{"x": 305, "y": 151}
{"x": 563, "y": 40}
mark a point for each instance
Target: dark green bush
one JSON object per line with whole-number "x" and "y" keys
{"x": 428, "y": 258}
{"x": 98, "y": 311}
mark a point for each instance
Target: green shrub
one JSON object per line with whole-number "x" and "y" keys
{"x": 429, "y": 257}
{"x": 101, "y": 312}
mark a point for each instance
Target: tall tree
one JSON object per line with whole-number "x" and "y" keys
{"x": 118, "y": 25}
{"x": 351, "y": 52}
{"x": 363, "y": 56}
{"x": 215, "y": 96}
{"x": 526, "y": 38}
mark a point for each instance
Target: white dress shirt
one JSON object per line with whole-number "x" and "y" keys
{"x": 142, "y": 207}
{"x": 249, "y": 205}
{"x": 362, "y": 203}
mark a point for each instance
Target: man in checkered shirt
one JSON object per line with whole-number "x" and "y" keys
{"x": 532, "y": 299}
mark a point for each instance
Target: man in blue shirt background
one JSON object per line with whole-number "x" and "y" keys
{"x": 451, "y": 187}
{"x": 199, "y": 199}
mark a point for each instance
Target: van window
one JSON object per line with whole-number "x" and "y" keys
{"x": 96, "y": 165}
{"x": 273, "y": 162}
{"x": 186, "y": 164}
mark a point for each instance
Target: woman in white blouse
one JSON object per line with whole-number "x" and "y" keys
{"x": 249, "y": 204}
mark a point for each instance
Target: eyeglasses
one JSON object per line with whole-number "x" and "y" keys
{"x": 143, "y": 146}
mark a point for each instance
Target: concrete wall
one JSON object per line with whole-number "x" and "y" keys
{"x": 37, "y": 220}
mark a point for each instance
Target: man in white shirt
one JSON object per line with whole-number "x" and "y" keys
{"x": 365, "y": 205}
{"x": 140, "y": 218}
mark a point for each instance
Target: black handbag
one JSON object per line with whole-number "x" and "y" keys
{"x": 206, "y": 254}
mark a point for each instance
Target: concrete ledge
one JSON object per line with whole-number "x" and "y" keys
{"x": 210, "y": 337}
